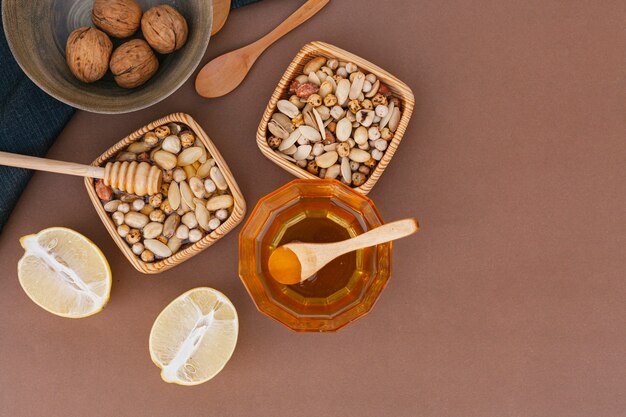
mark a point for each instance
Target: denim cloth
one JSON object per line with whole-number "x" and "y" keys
{"x": 30, "y": 120}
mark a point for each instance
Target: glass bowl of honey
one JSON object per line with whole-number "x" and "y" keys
{"x": 314, "y": 211}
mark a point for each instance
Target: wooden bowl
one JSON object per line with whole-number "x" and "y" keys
{"x": 239, "y": 208}
{"x": 37, "y": 30}
{"x": 312, "y": 50}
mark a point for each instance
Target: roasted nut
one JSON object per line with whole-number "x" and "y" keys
{"x": 103, "y": 191}
{"x": 354, "y": 106}
{"x": 330, "y": 100}
{"x": 379, "y": 99}
{"x": 187, "y": 139}
{"x": 157, "y": 216}
{"x": 133, "y": 236}
{"x": 315, "y": 100}
{"x": 312, "y": 167}
{"x": 305, "y": 90}
{"x": 137, "y": 248}
{"x": 274, "y": 142}
{"x": 150, "y": 139}
{"x": 164, "y": 28}
{"x": 155, "y": 200}
{"x": 343, "y": 149}
{"x": 118, "y": 18}
{"x": 133, "y": 63}
{"x": 358, "y": 179}
{"x": 123, "y": 230}
{"x": 147, "y": 256}
{"x": 87, "y": 53}
{"x": 166, "y": 207}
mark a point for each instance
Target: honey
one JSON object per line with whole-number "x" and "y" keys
{"x": 314, "y": 211}
{"x": 332, "y": 277}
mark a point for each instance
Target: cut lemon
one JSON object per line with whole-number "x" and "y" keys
{"x": 64, "y": 273}
{"x": 194, "y": 336}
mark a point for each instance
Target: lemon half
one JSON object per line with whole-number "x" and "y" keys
{"x": 194, "y": 336}
{"x": 64, "y": 272}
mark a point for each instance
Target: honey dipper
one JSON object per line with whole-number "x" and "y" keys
{"x": 138, "y": 178}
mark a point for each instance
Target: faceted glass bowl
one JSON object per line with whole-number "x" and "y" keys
{"x": 300, "y": 307}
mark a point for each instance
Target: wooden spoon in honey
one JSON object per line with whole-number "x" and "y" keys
{"x": 296, "y": 262}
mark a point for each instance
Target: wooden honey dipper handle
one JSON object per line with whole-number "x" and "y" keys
{"x": 132, "y": 177}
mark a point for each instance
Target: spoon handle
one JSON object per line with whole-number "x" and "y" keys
{"x": 304, "y": 13}
{"x": 385, "y": 233}
{"x": 50, "y": 165}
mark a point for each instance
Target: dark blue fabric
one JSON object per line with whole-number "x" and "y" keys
{"x": 30, "y": 120}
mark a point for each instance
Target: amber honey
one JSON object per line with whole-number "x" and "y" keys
{"x": 314, "y": 211}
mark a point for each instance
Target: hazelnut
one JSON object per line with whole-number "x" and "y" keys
{"x": 315, "y": 100}
{"x": 118, "y": 18}
{"x": 150, "y": 139}
{"x": 133, "y": 236}
{"x": 87, "y": 53}
{"x": 358, "y": 179}
{"x": 330, "y": 100}
{"x": 164, "y": 28}
{"x": 274, "y": 142}
{"x": 133, "y": 63}
{"x": 162, "y": 132}
{"x": 147, "y": 256}
{"x": 313, "y": 168}
{"x": 155, "y": 200}
{"x": 187, "y": 139}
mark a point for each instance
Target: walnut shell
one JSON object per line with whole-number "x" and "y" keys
{"x": 118, "y": 18}
{"x": 133, "y": 63}
{"x": 164, "y": 28}
{"x": 87, "y": 53}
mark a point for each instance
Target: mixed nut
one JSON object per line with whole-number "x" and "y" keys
{"x": 193, "y": 201}
{"x": 337, "y": 122}
{"x": 89, "y": 51}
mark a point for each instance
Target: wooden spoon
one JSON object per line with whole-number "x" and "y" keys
{"x": 133, "y": 177}
{"x": 221, "y": 8}
{"x": 296, "y": 262}
{"x": 224, "y": 73}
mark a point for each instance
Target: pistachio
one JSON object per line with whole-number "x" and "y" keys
{"x": 277, "y": 129}
{"x": 170, "y": 225}
{"x": 287, "y": 108}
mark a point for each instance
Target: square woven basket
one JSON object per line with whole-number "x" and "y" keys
{"x": 308, "y": 52}
{"x": 239, "y": 207}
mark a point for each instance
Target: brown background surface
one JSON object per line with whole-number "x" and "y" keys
{"x": 510, "y": 302}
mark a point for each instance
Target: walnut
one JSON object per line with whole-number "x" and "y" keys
{"x": 133, "y": 63}
{"x": 164, "y": 28}
{"x": 87, "y": 53}
{"x": 118, "y": 18}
